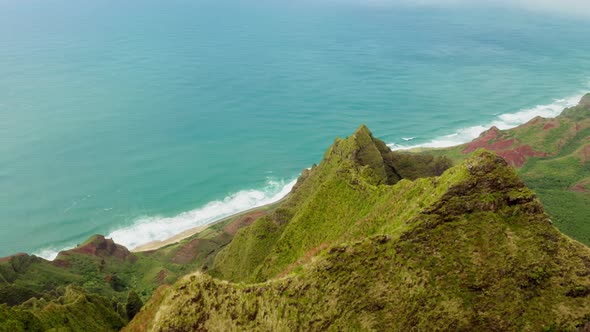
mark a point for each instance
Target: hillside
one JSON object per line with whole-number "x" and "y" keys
{"x": 87, "y": 288}
{"x": 347, "y": 196}
{"x": 355, "y": 247}
{"x": 552, "y": 156}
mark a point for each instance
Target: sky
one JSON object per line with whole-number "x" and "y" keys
{"x": 580, "y": 8}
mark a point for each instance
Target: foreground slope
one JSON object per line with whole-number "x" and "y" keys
{"x": 470, "y": 250}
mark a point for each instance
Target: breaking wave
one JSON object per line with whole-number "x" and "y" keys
{"x": 158, "y": 228}
{"x": 503, "y": 121}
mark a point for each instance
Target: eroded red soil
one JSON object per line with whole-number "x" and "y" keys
{"x": 507, "y": 148}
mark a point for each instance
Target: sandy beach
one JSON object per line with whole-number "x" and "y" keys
{"x": 176, "y": 238}
{"x": 154, "y": 245}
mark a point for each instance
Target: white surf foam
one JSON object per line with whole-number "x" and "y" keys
{"x": 48, "y": 253}
{"x": 157, "y": 228}
{"x": 148, "y": 229}
{"x": 503, "y": 121}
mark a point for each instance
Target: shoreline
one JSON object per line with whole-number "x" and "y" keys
{"x": 502, "y": 121}
{"x": 154, "y": 245}
{"x": 51, "y": 253}
{"x": 157, "y": 244}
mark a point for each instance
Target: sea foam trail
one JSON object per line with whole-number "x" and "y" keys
{"x": 157, "y": 228}
{"x": 504, "y": 121}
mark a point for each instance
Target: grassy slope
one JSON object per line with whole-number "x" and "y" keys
{"x": 563, "y": 147}
{"x": 345, "y": 197}
{"x": 101, "y": 274}
{"x": 471, "y": 250}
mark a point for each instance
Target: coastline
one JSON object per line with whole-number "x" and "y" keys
{"x": 461, "y": 136}
{"x": 502, "y": 121}
{"x": 168, "y": 230}
{"x": 157, "y": 244}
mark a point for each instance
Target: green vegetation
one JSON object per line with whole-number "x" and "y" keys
{"x": 99, "y": 285}
{"x": 556, "y": 167}
{"x": 347, "y": 196}
{"x": 470, "y": 250}
{"x": 133, "y": 305}
{"x": 71, "y": 309}
{"x": 369, "y": 239}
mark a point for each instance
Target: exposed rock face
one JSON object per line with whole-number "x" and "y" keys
{"x": 540, "y": 139}
{"x": 102, "y": 247}
{"x": 365, "y": 150}
{"x": 512, "y": 151}
{"x": 383, "y": 166}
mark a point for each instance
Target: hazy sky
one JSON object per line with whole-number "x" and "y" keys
{"x": 567, "y": 7}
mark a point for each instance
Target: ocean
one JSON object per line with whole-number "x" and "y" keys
{"x": 141, "y": 119}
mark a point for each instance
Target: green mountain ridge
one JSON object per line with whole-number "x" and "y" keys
{"x": 368, "y": 239}
{"x": 470, "y": 250}
{"x": 350, "y": 184}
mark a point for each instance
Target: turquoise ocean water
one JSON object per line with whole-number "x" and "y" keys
{"x": 140, "y": 119}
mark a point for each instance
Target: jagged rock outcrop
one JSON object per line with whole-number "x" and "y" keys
{"x": 373, "y": 153}
{"x": 102, "y": 247}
